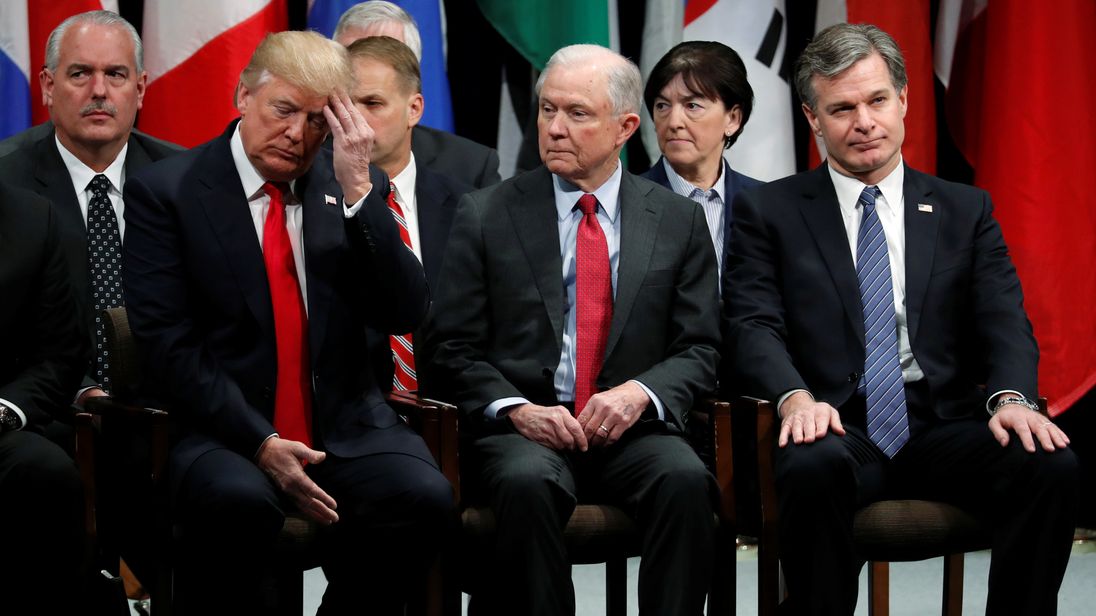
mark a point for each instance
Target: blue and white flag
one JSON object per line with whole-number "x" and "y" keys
{"x": 323, "y": 15}
{"x": 14, "y": 68}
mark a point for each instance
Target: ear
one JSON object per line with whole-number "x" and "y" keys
{"x": 734, "y": 121}
{"x": 415, "y": 106}
{"x": 902, "y": 99}
{"x": 812, "y": 119}
{"x": 629, "y": 122}
{"x": 45, "y": 82}
{"x": 243, "y": 96}
{"x": 142, "y": 83}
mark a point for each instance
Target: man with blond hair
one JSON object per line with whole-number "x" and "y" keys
{"x": 255, "y": 263}
{"x": 576, "y": 322}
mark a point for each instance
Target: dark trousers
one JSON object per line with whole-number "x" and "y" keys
{"x": 395, "y": 510}
{"x": 41, "y": 514}
{"x": 1028, "y": 500}
{"x": 653, "y": 476}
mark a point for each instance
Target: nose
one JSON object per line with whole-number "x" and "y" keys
{"x": 294, "y": 128}
{"x": 863, "y": 120}
{"x": 98, "y": 84}
{"x": 556, "y": 127}
{"x": 676, "y": 116}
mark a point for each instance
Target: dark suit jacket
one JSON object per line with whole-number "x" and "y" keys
{"x": 733, "y": 182}
{"x": 36, "y": 165}
{"x": 199, "y": 304}
{"x": 436, "y": 198}
{"x": 44, "y": 349}
{"x": 498, "y": 319}
{"x": 454, "y": 156}
{"x": 794, "y": 306}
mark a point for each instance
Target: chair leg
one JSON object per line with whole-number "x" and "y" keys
{"x": 769, "y": 589}
{"x": 953, "y": 585}
{"x": 616, "y": 587}
{"x": 290, "y": 591}
{"x": 879, "y": 588}
{"x": 721, "y": 597}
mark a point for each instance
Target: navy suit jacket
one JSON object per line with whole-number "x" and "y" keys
{"x": 733, "y": 182}
{"x": 34, "y": 163}
{"x": 454, "y": 156}
{"x": 795, "y": 317}
{"x": 200, "y": 309}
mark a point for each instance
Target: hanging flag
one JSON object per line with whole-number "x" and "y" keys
{"x": 663, "y": 27}
{"x": 908, "y": 23}
{"x": 40, "y": 19}
{"x": 1019, "y": 92}
{"x": 194, "y": 53}
{"x": 14, "y": 68}
{"x": 537, "y": 28}
{"x": 323, "y": 16}
{"x": 757, "y": 31}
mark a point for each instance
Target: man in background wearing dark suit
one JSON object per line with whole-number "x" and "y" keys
{"x": 451, "y": 155}
{"x": 878, "y": 308}
{"x": 93, "y": 83}
{"x": 44, "y": 353}
{"x": 388, "y": 92}
{"x": 255, "y": 264}
{"x": 576, "y": 322}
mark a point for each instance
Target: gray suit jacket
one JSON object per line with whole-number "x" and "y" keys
{"x": 455, "y": 157}
{"x": 499, "y": 312}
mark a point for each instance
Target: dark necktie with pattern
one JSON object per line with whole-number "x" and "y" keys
{"x": 888, "y": 425}
{"x": 104, "y": 266}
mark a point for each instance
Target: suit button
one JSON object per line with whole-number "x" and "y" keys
{"x": 854, "y": 377}
{"x": 267, "y": 393}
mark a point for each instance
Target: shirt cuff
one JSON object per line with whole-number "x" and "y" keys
{"x": 79, "y": 393}
{"x": 788, "y": 394}
{"x": 650, "y": 394}
{"x": 18, "y": 411}
{"x": 350, "y": 211}
{"x": 989, "y": 400}
{"x": 499, "y": 408}
{"x": 257, "y": 451}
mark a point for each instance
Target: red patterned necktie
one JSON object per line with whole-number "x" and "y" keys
{"x": 593, "y": 301}
{"x": 293, "y": 392}
{"x": 403, "y": 349}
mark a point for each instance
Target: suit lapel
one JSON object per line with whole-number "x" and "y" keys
{"x": 921, "y": 231}
{"x": 136, "y": 156}
{"x": 322, "y": 234}
{"x": 435, "y": 216}
{"x": 55, "y": 183}
{"x": 222, "y": 198}
{"x": 639, "y": 221}
{"x": 533, "y": 215}
{"x": 822, "y": 214}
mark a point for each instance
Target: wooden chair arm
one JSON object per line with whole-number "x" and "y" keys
{"x": 436, "y": 422}
{"x": 715, "y": 415}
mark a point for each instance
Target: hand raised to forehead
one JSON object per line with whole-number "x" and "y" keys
{"x": 352, "y": 140}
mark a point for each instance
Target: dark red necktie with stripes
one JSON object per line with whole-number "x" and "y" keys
{"x": 293, "y": 392}
{"x": 593, "y": 301}
{"x": 403, "y": 349}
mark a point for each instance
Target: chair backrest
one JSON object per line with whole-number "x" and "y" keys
{"x": 125, "y": 362}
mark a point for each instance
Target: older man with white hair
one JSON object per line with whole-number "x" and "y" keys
{"x": 576, "y": 322}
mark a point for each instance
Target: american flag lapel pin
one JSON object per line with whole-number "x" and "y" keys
{"x": 924, "y": 207}
{"x": 329, "y": 200}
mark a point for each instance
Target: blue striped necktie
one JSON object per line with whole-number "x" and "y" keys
{"x": 888, "y": 425}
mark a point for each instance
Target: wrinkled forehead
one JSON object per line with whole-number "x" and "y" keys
{"x": 91, "y": 43}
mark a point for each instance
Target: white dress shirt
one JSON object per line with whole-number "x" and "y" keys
{"x": 82, "y": 175}
{"x": 405, "y": 196}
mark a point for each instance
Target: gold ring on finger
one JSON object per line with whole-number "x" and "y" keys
{"x": 602, "y": 427}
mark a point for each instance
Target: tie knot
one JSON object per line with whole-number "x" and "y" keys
{"x": 587, "y": 204}
{"x": 868, "y": 196}
{"x": 99, "y": 184}
{"x": 276, "y": 191}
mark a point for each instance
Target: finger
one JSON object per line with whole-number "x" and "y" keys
{"x": 835, "y": 423}
{"x": 598, "y": 417}
{"x": 1042, "y": 433}
{"x": 797, "y": 429}
{"x": 822, "y": 418}
{"x": 999, "y": 431}
{"x": 578, "y": 437}
{"x": 333, "y": 122}
{"x": 1058, "y": 436}
{"x": 318, "y": 511}
{"x": 615, "y": 434}
{"x": 1024, "y": 432}
{"x": 808, "y": 427}
{"x": 785, "y": 432}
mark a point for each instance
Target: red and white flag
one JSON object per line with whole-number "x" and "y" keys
{"x": 908, "y": 23}
{"x": 194, "y": 52}
{"x": 1019, "y": 95}
{"x": 42, "y": 18}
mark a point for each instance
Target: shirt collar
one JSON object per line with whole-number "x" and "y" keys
{"x": 848, "y": 189}
{"x": 567, "y": 195}
{"x": 82, "y": 174}
{"x": 249, "y": 176}
{"x": 405, "y": 181}
{"x": 685, "y": 188}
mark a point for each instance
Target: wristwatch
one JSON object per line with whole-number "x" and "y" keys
{"x": 1011, "y": 399}
{"x": 9, "y": 421}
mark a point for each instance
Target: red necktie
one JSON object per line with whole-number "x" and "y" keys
{"x": 403, "y": 350}
{"x": 293, "y": 392}
{"x": 593, "y": 301}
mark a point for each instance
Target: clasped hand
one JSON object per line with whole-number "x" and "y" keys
{"x": 601, "y": 422}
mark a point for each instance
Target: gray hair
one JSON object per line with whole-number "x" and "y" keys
{"x": 99, "y": 18}
{"x": 365, "y": 14}
{"x": 837, "y": 48}
{"x": 624, "y": 82}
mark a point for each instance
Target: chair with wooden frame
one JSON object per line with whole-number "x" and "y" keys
{"x": 295, "y": 551}
{"x": 885, "y": 531}
{"x": 602, "y": 533}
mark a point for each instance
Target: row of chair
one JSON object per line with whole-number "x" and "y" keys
{"x": 887, "y": 531}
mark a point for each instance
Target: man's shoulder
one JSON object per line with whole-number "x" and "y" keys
{"x": 26, "y": 138}
{"x": 435, "y": 141}
{"x": 456, "y": 156}
{"x": 155, "y": 147}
